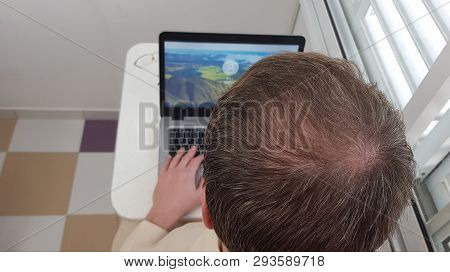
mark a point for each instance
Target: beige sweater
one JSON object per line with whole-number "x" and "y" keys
{"x": 189, "y": 237}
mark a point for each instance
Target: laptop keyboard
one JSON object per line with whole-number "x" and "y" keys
{"x": 186, "y": 137}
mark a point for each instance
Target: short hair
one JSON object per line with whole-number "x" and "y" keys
{"x": 302, "y": 154}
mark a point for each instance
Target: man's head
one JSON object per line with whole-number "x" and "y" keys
{"x": 303, "y": 155}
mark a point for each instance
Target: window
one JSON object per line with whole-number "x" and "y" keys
{"x": 400, "y": 44}
{"x": 398, "y": 39}
{"x": 440, "y": 14}
{"x": 384, "y": 52}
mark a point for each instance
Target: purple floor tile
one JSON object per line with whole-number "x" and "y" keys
{"x": 99, "y": 136}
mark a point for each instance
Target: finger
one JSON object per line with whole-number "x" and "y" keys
{"x": 166, "y": 163}
{"x": 177, "y": 158}
{"x": 188, "y": 157}
{"x": 195, "y": 162}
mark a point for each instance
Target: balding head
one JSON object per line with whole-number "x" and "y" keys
{"x": 303, "y": 155}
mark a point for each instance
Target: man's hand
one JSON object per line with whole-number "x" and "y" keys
{"x": 175, "y": 194}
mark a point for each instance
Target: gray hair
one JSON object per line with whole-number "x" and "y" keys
{"x": 304, "y": 155}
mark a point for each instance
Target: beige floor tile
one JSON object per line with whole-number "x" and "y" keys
{"x": 6, "y": 131}
{"x": 89, "y": 232}
{"x": 36, "y": 183}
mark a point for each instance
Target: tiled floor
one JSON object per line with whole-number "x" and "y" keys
{"x": 55, "y": 177}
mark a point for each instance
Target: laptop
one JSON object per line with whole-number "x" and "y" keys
{"x": 195, "y": 70}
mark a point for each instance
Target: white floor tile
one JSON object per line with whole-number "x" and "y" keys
{"x": 92, "y": 184}
{"x": 31, "y": 233}
{"x": 43, "y": 135}
{"x": 2, "y": 160}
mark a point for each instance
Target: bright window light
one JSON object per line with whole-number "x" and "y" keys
{"x": 429, "y": 128}
{"x": 445, "y": 108}
{"x": 443, "y": 11}
{"x": 374, "y": 28}
{"x": 414, "y": 64}
{"x": 420, "y": 21}
{"x": 390, "y": 15}
{"x": 387, "y": 58}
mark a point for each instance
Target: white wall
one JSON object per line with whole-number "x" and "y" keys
{"x": 42, "y": 69}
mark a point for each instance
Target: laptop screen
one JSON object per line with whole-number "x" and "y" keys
{"x": 196, "y": 74}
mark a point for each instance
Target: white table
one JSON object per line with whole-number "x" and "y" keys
{"x": 136, "y": 169}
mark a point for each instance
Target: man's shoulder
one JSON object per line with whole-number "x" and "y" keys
{"x": 191, "y": 237}
{"x": 197, "y": 226}
{"x": 193, "y": 228}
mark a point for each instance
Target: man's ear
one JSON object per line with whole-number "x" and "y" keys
{"x": 205, "y": 212}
